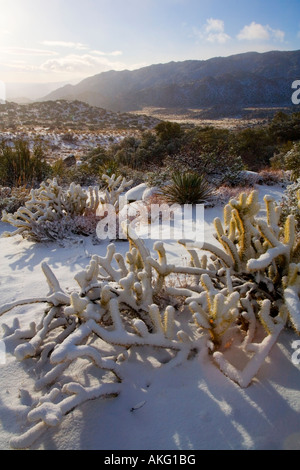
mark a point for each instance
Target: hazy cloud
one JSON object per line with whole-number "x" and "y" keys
{"x": 81, "y": 64}
{"x": 68, "y": 44}
{"x": 256, "y": 31}
{"x": 113, "y": 54}
{"x": 26, "y": 51}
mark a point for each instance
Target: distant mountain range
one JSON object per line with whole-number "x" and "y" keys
{"x": 227, "y": 84}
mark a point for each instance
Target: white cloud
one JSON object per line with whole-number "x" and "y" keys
{"x": 80, "y": 64}
{"x": 114, "y": 53}
{"x": 255, "y": 31}
{"x": 213, "y": 31}
{"x": 68, "y": 44}
{"x": 214, "y": 25}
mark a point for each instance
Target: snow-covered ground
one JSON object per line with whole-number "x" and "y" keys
{"x": 189, "y": 407}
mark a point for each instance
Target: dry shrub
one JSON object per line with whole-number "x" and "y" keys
{"x": 224, "y": 193}
{"x": 270, "y": 176}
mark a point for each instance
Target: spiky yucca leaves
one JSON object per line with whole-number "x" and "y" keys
{"x": 187, "y": 188}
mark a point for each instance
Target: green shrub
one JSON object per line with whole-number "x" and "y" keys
{"x": 289, "y": 160}
{"x": 20, "y": 166}
{"x": 187, "y": 188}
{"x": 290, "y": 203}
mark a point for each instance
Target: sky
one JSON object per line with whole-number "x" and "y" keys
{"x": 69, "y": 40}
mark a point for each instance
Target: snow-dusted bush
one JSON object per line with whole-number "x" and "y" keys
{"x": 242, "y": 295}
{"x": 50, "y": 210}
{"x": 271, "y": 177}
{"x": 290, "y": 203}
{"x": 289, "y": 161}
{"x": 12, "y": 198}
{"x": 224, "y": 193}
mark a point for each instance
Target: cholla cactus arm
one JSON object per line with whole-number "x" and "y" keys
{"x": 261, "y": 351}
{"x": 88, "y": 280}
{"x": 249, "y": 317}
{"x": 23, "y": 220}
{"x": 244, "y": 211}
{"x": 273, "y": 214}
{"x": 115, "y": 187}
{"x": 55, "y": 296}
{"x": 219, "y": 314}
{"x": 227, "y": 260}
{"x": 142, "y": 251}
{"x": 30, "y": 349}
{"x": 277, "y": 249}
{"x": 106, "y": 263}
{"x": 292, "y": 295}
{"x": 49, "y": 414}
{"x": 93, "y": 200}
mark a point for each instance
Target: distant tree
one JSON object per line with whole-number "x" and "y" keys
{"x": 167, "y": 130}
{"x": 288, "y": 160}
{"x": 255, "y": 146}
{"x": 285, "y": 127}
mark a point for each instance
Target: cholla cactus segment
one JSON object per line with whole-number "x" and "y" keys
{"x": 292, "y": 295}
{"x": 220, "y": 313}
{"x": 260, "y": 351}
{"x": 115, "y": 187}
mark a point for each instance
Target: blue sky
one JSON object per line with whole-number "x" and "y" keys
{"x": 68, "y": 40}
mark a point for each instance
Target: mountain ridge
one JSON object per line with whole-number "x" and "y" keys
{"x": 243, "y": 80}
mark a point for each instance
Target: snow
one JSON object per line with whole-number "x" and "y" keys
{"x": 193, "y": 406}
{"x": 136, "y": 193}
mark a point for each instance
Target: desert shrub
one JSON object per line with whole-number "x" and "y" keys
{"x": 288, "y": 159}
{"x": 187, "y": 188}
{"x": 139, "y": 153}
{"x": 292, "y": 161}
{"x": 218, "y": 169}
{"x": 271, "y": 176}
{"x": 96, "y": 159}
{"x": 11, "y": 199}
{"x": 207, "y": 140}
{"x": 224, "y": 193}
{"x": 255, "y": 146}
{"x": 168, "y": 131}
{"x": 285, "y": 127}
{"x": 290, "y": 204}
{"x": 69, "y": 138}
{"x": 20, "y": 166}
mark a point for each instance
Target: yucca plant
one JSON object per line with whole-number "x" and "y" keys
{"x": 187, "y": 188}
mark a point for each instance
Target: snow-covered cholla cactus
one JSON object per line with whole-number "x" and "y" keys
{"x": 115, "y": 186}
{"x": 50, "y": 211}
{"x": 254, "y": 248}
{"x": 135, "y": 301}
{"x": 292, "y": 294}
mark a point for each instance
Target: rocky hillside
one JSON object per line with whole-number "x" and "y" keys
{"x": 64, "y": 115}
{"x": 236, "y": 82}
